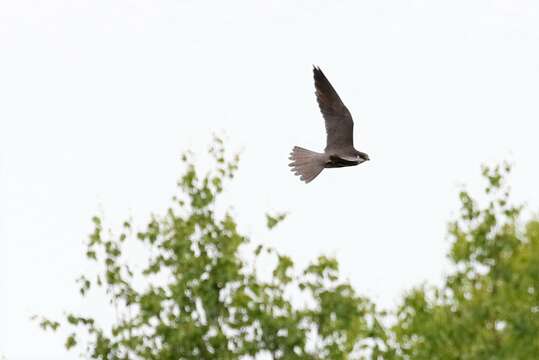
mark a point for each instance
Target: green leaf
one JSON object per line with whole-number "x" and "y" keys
{"x": 71, "y": 341}
{"x": 272, "y": 221}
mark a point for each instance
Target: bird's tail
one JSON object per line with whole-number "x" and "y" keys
{"x": 306, "y": 164}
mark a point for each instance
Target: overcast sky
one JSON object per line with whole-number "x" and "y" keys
{"x": 99, "y": 98}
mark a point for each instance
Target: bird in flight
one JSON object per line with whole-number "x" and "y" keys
{"x": 339, "y": 151}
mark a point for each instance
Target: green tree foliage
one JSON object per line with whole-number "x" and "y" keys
{"x": 488, "y": 307}
{"x": 196, "y": 298}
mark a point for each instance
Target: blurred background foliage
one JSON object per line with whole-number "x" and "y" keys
{"x": 200, "y": 293}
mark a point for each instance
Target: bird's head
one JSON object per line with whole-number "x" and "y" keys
{"x": 363, "y": 156}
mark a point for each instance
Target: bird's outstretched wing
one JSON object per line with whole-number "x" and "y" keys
{"x": 339, "y": 123}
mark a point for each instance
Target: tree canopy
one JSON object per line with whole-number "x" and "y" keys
{"x": 198, "y": 296}
{"x": 488, "y": 307}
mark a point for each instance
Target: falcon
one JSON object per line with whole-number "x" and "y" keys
{"x": 339, "y": 151}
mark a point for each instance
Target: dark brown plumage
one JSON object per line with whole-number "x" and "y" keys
{"x": 339, "y": 151}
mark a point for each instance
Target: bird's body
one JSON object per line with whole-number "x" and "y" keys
{"x": 339, "y": 151}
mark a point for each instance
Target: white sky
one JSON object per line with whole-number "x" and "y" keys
{"x": 98, "y": 99}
